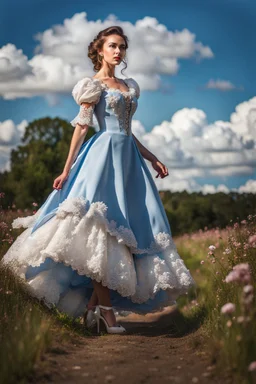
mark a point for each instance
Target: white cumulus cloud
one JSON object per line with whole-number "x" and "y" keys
{"x": 191, "y": 147}
{"x": 10, "y": 137}
{"x": 222, "y": 85}
{"x": 60, "y": 58}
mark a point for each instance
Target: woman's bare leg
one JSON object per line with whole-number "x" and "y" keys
{"x": 93, "y": 300}
{"x": 103, "y": 296}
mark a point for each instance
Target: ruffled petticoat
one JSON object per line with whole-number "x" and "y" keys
{"x": 78, "y": 244}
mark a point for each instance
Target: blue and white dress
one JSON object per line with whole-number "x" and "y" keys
{"x": 107, "y": 223}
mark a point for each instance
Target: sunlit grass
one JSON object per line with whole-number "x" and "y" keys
{"x": 28, "y": 327}
{"x": 211, "y": 256}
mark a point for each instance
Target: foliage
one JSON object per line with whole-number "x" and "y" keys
{"x": 189, "y": 212}
{"x": 37, "y": 162}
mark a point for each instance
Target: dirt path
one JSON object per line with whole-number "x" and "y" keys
{"x": 148, "y": 353}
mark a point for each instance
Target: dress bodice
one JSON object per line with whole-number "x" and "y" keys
{"x": 112, "y": 107}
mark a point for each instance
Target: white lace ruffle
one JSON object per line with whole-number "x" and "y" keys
{"x": 84, "y": 116}
{"x": 25, "y": 222}
{"x": 80, "y": 236}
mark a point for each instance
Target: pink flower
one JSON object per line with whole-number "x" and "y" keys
{"x": 252, "y": 239}
{"x": 35, "y": 204}
{"x": 252, "y": 366}
{"x": 228, "y": 308}
{"x": 212, "y": 248}
{"x": 202, "y": 262}
{"x": 241, "y": 273}
{"x": 248, "y": 289}
{"x": 243, "y": 222}
{"x": 240, "y": 319}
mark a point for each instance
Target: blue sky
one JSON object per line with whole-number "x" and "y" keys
{"x": 227, "y": 27}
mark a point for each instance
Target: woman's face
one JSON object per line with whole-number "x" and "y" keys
{"x": 113, "y": 49}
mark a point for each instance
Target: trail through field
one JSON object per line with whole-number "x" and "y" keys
{"x": 150, "y": 352}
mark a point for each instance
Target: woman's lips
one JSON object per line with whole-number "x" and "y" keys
{"x": 117, "y": 58}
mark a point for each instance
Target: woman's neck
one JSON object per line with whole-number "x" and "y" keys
{"x": 107, "y": 72}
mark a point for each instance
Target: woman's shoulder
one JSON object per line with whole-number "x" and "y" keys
{"x": 88, "y": 89}
{"x": 132, "y": 83}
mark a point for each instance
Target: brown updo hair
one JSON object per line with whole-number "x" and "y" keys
{"x": 98, "y": 42}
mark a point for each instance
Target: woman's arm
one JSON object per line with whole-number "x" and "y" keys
{"x": 77, "y": 140}
{"x": 161, "y": 169}
{"x": 144, "y": 151}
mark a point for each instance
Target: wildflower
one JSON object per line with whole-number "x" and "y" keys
{"x": 35, "y": 204}
{"x": 236, "y": 225}
{"x": 247, "y": 300}
{"x": 229, "y": 323}
{"x": 252, "y": 366}
{"x": 228, "y": 308}
{"x": 212, "y": 248}
{"x": 213, "y": 261}
{"x": 243, "y": 222}
{"x": 227, "y": 251}
{"x": 202, "y": 262}
{"x": 3, "y": 225}
{"x": 240, "y": 319}
{"x": 248, "y": 288}
{"x": 240, "y": 273}
{"x": 252, "y": 239}
{"x": 238, "y": 338}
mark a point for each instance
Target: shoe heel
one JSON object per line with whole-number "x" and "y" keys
{"x": 97, "y": 316}
{"x": 114, "y": 329}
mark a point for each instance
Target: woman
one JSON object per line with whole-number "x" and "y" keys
{"x": 102, "y": 239}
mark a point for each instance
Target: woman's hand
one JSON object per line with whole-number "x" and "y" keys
{"x": 161, "y": 169}
{"x": 60, "y": 180}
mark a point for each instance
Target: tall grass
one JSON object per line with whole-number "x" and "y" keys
{"x": 24, "y": 325}
{"x": 224, "y": 265}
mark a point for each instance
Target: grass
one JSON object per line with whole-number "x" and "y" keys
{"x": 28, "y": 328}
{"x": 231, "y": 336}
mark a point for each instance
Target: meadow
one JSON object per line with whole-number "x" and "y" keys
{"x": 223, "y": 263}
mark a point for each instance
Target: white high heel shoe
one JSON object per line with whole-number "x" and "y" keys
{"x": 89, "y": 318}
{"x": 98, "y": 316}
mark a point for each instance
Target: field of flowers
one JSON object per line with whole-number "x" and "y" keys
{"x": 223, "y": 263}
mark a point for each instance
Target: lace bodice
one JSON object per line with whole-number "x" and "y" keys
{"x": 112, "y": 107}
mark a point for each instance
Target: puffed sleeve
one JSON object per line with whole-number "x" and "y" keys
{"x": 88, "y": 91}
{"x": 133, "y": 84}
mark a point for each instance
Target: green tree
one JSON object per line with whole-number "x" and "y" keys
{"x": 38, "y": 160}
